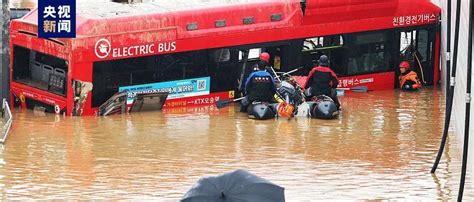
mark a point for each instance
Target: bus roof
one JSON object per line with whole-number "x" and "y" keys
{"x": 224, "y": 22}
{"x": 107, "y": 18}
{"x": 111, "y": 9}
{"x": 327, "y": 11}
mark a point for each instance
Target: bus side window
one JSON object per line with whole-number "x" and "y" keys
{"x": 331, "y": 46}
{"x": 253, "y": 54}
{"x": 221, "y": 55}
{"x": 198, "y": 65}
{"x": 368, "y": 53}
{"x": 224, "y": 69}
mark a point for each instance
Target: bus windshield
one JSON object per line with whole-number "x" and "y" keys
{"x": 39, "y": 70}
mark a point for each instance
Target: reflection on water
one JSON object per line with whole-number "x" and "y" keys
{"x": 381, "y": 147}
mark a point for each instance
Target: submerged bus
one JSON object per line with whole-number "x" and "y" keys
{"x": 198, "y": 50}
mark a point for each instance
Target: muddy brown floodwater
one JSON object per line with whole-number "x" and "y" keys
{"x": 381, "y": 147}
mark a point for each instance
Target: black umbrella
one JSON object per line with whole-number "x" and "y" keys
{"x": 238, "y": 185}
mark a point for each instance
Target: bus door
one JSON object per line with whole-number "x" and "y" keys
{"x": 418, "y": 47}
{"x": 248, "y": 57}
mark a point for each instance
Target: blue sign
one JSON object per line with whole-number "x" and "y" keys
{"x": 176, "y": 89}
{"x": 57, "y": 18}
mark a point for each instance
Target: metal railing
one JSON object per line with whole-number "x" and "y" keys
{"x": 7, "y": 120}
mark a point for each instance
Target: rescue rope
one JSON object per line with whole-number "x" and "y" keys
{"x": 421, "y": 67}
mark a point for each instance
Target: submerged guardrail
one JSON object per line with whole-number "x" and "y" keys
{"x": 7, "y": 121}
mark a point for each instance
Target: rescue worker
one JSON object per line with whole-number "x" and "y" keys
{"x": 322, "y": 80}
{"x": 408, "y": 79}
{"x": 264, "y": 64}
{"x": 259, "y": 86}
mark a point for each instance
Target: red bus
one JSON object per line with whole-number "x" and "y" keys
{"x": 120, "y": 45}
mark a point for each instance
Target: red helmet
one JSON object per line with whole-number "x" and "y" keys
{"x": 405, "y": 64}
{"x": 265, "y": 57}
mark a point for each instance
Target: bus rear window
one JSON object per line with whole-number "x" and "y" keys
{"x": 39, "y": 70}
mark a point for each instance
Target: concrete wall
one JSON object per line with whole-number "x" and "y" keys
{"x": 459, "y": 105}
{"x": 23, "y": 3}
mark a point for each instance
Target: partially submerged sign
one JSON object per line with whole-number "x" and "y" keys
{"x": 148, "y": 102}
{"x": 117, "y": 104}
{"x": 176, "y": 89}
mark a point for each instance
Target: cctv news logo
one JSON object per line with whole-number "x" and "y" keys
{"x": 104, "y": 49}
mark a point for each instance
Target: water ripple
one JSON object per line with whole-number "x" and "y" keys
{"x": 381, "y": 147}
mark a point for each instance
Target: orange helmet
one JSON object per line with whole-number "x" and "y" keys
{"x": 405, "y": 64}
{"x": 265, "y": 57}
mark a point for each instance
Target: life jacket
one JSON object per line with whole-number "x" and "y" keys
{"x": 321, "y": 80}
{"x": 260, "y": 87}
{"x": 411, "y": 78}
